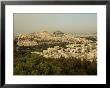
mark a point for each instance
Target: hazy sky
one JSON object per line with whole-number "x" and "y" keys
{"x": 71, "y": 23}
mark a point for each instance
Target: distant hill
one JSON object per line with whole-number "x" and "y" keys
{"x": 58, "y": 33}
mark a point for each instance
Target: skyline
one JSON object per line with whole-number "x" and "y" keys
{"x": 65, "y": 22}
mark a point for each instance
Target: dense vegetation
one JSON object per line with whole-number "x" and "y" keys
{"x": 32, "y": 64}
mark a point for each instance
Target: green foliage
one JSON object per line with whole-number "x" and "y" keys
{"x": 33, "y": 64}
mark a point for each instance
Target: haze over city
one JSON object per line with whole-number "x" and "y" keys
{"x": 71, "y": 22}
